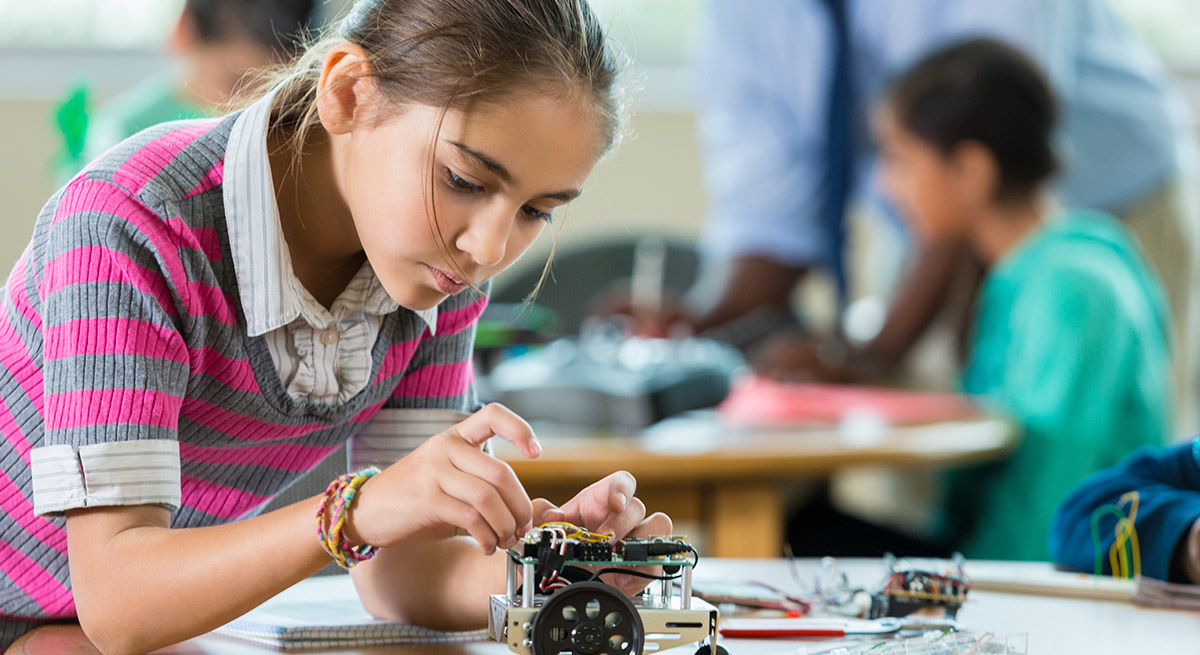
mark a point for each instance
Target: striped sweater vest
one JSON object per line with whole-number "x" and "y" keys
{"x": 122, "y": 321}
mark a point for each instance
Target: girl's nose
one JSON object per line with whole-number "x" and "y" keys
{"x": 486, "y": 237}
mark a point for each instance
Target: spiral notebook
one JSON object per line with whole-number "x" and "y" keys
{"x": 324, "y": 612}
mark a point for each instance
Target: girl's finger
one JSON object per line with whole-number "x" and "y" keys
{"x": 593, "y": 506}
{"x": 545, "y": 511}
{"x": 621, "y": 487}
{"x": 501, "y": 478}
{"x": 468, "y": 521}
{"x": 621, "y": 523}
{"x": 486, "y": 501}
{"x": 496, "y": 420}
{"x": 655, "y": 525}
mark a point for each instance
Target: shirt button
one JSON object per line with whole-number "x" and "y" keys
{"x": 329, "y": 337}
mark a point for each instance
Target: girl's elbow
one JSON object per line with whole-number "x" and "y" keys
{"x": 111, "y": 641}
{"x": 383, "y": 609}
{"x": 113, "y": 635}
{"x": 405, "y": 608}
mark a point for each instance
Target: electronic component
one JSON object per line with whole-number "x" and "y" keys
{"x": 560, "y": 605}
{"x": 910, "y": 587}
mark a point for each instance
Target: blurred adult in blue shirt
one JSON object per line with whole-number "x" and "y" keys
{"x": 769, "y": 74}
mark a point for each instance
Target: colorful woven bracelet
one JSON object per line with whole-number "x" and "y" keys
{"x": 342, "y": 492}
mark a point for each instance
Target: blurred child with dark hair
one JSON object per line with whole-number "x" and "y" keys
{"x": 215, "y": 44}
{"x": 1071, "y": 328}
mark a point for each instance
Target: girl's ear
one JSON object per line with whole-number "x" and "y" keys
{"x": 344, "y": 90}
{"x": 977, "y": 171}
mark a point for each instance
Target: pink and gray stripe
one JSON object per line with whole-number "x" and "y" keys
{"x": 127, "y": 375}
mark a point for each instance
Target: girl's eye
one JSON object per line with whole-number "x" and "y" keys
{"x": 461, "y": 184}
{"x": 538, "y": 214}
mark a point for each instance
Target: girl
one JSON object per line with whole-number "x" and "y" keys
{"x": 212, "y": 307}
{"x": 1070, "y": 328}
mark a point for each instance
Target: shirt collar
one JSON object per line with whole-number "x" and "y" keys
{"x": 271, "y": 294}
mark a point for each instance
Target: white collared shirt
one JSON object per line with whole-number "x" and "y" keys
{"x": 321, "y": 354}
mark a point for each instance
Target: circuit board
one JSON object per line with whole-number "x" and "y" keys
{"x": 561, "y": 603}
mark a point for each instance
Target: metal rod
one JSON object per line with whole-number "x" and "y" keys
{"x": 527, "y": 583}
{"x": 687, "y": 589}
{"x": 510, "y": 580}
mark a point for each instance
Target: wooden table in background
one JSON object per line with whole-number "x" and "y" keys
{"x": 734, "y": 480}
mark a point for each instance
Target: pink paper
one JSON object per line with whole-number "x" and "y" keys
{"x": 760, "y": 401}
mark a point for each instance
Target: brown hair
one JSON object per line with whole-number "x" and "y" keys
{"x": 272, "y": 24}
{"x": 455, "y": 53}
{"x": 988, "y": 92}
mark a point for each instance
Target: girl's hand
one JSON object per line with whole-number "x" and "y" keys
{"x": 609, "y": 506}
{"x": 449, "y": 486}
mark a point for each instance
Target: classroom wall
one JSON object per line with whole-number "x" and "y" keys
{"x": 651, "y": 184}
{"x": 27, "y": 147}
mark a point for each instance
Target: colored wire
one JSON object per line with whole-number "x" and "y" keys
{"x": 572, "y": 531}
{"x": 1124, "y": 555}
{"x": 983, "y": 639}
{"x": 695, "y": 555}
{"x": 1099, "y": 513}
{"x": 1135, "y": 551}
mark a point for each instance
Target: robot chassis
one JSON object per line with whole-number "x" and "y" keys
{"x": 559, "y": 608}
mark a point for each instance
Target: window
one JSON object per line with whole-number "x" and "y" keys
{"x": 85, "y": 24}
{"x": 49, "y": 46}
{"x": 658, "y": 35}
{"x": 655, "y": 32}
{"x": 1169, "y": 27}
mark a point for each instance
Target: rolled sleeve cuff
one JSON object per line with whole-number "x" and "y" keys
{"x": 144, "y": 472}
{"x": 394, "y": 433}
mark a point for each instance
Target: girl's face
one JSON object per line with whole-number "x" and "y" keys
{"x": 926, "y": 186}
{"x": 499, "y": 172}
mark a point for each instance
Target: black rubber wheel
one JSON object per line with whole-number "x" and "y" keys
{"x": 705, "y": 650}
{"x": 588, "y": 618}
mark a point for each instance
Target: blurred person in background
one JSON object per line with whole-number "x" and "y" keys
{"x": 214, "y": 44}
{"x": 783, "y": 98}
{"x": 1071, "y": 328}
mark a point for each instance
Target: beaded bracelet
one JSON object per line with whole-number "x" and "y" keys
{"x": 343, "y": 489}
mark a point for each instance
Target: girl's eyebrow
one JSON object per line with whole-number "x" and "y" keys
{"x": 485, "y": 161}
{"x": 501, "y": 172}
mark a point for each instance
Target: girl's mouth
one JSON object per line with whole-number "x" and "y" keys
{"x": 447, "y": 282}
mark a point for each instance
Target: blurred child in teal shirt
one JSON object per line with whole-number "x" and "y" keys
{"x": 215, "y": 44}
{"x": 1071, "y": 328}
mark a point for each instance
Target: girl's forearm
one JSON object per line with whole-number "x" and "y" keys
{"x": 440, "y": 584}
{"x": 140, "y": 585}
